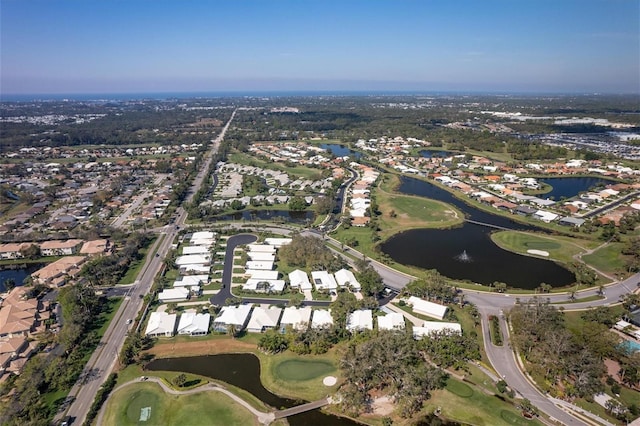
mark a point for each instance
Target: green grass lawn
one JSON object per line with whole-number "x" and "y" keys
{"x": 293, "y": 172}
{"x": 560, "y": 249}
{"x": 466, "y": 404}
{"x": 607, "y": 259}
{"x": 299, "y": 376}
{"x": 135, "y": 267}
{"x": 208, "y": 408}
{"x": 301, "y": 369}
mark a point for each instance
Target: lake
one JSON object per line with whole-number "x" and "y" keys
{"x": 17, "y": 275}
{"x": 569, "y": 187}
{"x": 485, "y": 262}
{"x": 434, "y": 153}
{"x": 243, "y": 371}
{"x": 341, "y": 150}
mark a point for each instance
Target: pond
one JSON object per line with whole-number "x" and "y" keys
{"x": 341, "y": 150}
{"x": 569, "y": 187}
{"x": 243, "y": 371}
{"x": 17, "y": 275}
{"x": 435, "y": 153}
{"x": 276, "y": 215}
{"x": 467, "y": 252}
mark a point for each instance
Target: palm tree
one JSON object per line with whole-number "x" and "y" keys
{"x": 232, "y": 330}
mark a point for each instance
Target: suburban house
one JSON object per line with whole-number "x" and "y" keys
{"x": 323, "y": 280}
{"x": 391, "y": 321}
{"x": 161, "y": 324}
{"x": 259, "y": 274}
{"x": 321, "y": 318}
{"x": 12, "y": 250}
{"x": 236, "y": 316}
{"x": 56, "y": 274}
{"x": 193, "y": 259}
{"x": 345, "y": 278}
{"x": 297, "y": 318}
{"x": 96, "y": 247}
{"x": 264, "y": 286}
{"x": 263, "y": 319}
{"x": 360, "y": 320}
{"x": 194, "y": 324}
{"x": 190, "y": 280}
{"x": 176, "y": 294}
{"x": 430, "y": 327}
{"x": 189, "y": 250}
{"x": 60, "y": 248}
{"x": 17, "y": 314}
{"x": 430, "y": 309}
{"x": 299, "y": 279}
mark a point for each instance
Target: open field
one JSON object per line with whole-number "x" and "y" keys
{"x": 129, "y": 405}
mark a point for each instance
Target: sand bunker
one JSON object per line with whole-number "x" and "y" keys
{"x": 329, "y": 381}
{"x": 538, "y": 252}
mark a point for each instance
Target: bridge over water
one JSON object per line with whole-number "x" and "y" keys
{"x": 475, "y": 222}
{"x": 301, "y": 408}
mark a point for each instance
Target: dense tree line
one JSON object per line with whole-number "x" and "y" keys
{"x": 309, "y": 252}
{"x": 389, "y": 363}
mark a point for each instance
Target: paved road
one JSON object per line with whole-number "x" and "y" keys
{"x": 227, "y": 273}
{"x": 104, "y": 358}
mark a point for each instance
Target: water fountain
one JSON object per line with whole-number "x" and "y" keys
{"x": 464, "y": 257}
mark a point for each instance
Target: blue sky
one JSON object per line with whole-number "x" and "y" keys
{"x": 55, "y": 46}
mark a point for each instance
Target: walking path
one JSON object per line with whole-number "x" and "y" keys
{"x": 263, "y": 418}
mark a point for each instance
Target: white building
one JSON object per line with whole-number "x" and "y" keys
{"x": 197, "y": 268}
{"x": 262, "y": 266}
{"x": 187, "y": 250}
{"x": 193, "y": 259}
{"x": 189, "y": 280}
{"x": 391, "y": 321}
{"x": 298, "y": 318}
{"x": 232, "y": 315}
{"x": 299, "y": 279}
{"x": 194, "y": 324}
{"x": 545, "y": 216}
{"x": 262, "y": 274}
{"x": 323, "y": 280}
{"x": 321, "y": 318}
{"x": 263, "y": 248}
{"x": 176, "y": 294}
{"x": 259, "y": 256}
{"x": 431, "y": 327}
{"x": 424, "y": 307}
{"x": 161, "y": 324}
{"x": 345, "y": 278}
{"x": 277, "y": 242}
{"x": 263, "y": 319}
{"x": 360, "y": 320}
{"x": 264, "y": 286}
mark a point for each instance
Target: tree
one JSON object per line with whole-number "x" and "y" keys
{"x": 180, "y": 380}
{"x": 324, "y": 205}
{"x": 370, "y": 281}
{"x": 297, "y": 204}
{"x": 31, "y": 252}
{"x": 273, "y": 341}
{"x": 9, "y": 284}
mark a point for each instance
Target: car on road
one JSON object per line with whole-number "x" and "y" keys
{"x": 67, "y": 421}
{"x": 129, "y": 321}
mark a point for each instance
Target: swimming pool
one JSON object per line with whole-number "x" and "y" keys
{"x": 630, "y": 345}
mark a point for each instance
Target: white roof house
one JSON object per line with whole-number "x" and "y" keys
{"x": 324, "y": 280}
{"x": 262, "y": 274}
{"x": 193, "y": 259}
{"x": 298, "y": 318}
{"x": 430, "y": 327}
{"x": 189, "y": 280}
{"x": 196, "y": 267}
{"x": 176, "y": 294}
{"x": 203, "y": 235}
{"x": 345, "y": 278}
{"x": 186, "y": 250}
{"x": 277, "y": 242}
{"x": 264, "y": 286}
{"x": 263, "y": 319}
{"x": 430, "y": 309}
{"x": 194, "y": 324}
{"x": 161, "y": 324}
{"x": 359, "y": 320}
{"x": 545, "y": 216}
{"x": 263, "y": 266}
{"x": 264, "y": 248}
{"x": 321, "y": 318}
{"x": 232, "y": 315}
{"x": 299, "y": 279}
{"x": 259, "y": 256}
{"x": 391, "y": 321}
